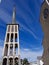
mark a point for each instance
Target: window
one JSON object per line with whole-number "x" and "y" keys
{"x": 46, "y": 12}
{"x": 11, "y": 49}
{"x": 16, "y": 61}
{"x": 48, "y": 49}
{"x": 4, "y": 61}
{"x": 16, "y": 49}
{"x": 10, "y": 61}
{"x": 6, "y": 50}
{"x": 7, "y": 39}
{"x": 11, "y": 37}
{"x": 16, "y": 37}
{"x": 16, "y": 27}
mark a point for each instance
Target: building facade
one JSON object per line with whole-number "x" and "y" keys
{"x": 44, "y": 19}
{"x": 11, "y": 51}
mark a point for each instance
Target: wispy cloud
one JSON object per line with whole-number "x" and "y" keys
{"x": 26, "y": 9}
{"x": 1, "y": 42}
{"x": 25, "y": 44}
{"x": 30, "y": 55}
{"x": 26, "y": 53}
{"x": 26, "y": 49}
{"x": 26, "y": 12}
{"x": 7, "y": 18}
{"x": 28, "y": 30}
{"x": 1, "y": 48}
{"x": 1, "y": 51}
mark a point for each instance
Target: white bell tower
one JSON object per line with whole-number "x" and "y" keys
{"x": 11, "y": 51}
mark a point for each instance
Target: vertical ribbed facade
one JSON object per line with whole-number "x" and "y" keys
{"x": 11, "y": 51}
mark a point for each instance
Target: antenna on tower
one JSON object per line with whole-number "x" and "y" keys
{"x": 14, "y": 15}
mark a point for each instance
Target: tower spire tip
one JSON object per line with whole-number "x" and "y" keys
{"x": 14, "y": 15}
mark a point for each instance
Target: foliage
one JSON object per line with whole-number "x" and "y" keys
{"x": 24, "y": 61}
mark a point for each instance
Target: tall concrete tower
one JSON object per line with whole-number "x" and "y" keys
{"x": 11, "y": 51}
{"x": 44, "y": 19}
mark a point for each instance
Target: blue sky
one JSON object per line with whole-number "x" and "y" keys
{"x": 28, "y": 17}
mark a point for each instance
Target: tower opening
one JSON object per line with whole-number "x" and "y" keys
{"x": 6, "y": 50}
{"x": 16, "y": 49}
{"x": 10, "y": 61}
{"x": 4, "y": 61}
{"x": 11, "y": 50}
{"x": 16, "y": 28}
{"x": 16, "y": 61}
{"x": 7, "y": 39}
{"x": 11, "y": 37}
{"x": 16, "y": 38}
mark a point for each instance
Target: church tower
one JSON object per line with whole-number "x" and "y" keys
{"x": 44, "y": 19}
{"x": 11, "y": 51}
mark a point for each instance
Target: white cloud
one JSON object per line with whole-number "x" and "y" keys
{"x": 1, "y": 48}
{"x": 1, "y": 51}
{"x": 0, "y": 1}
{"x": 30, "y": 55}
{"x": 26, "y": 49}
{"x": 1, "y": 42}
{"x": 26, "y": 53}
